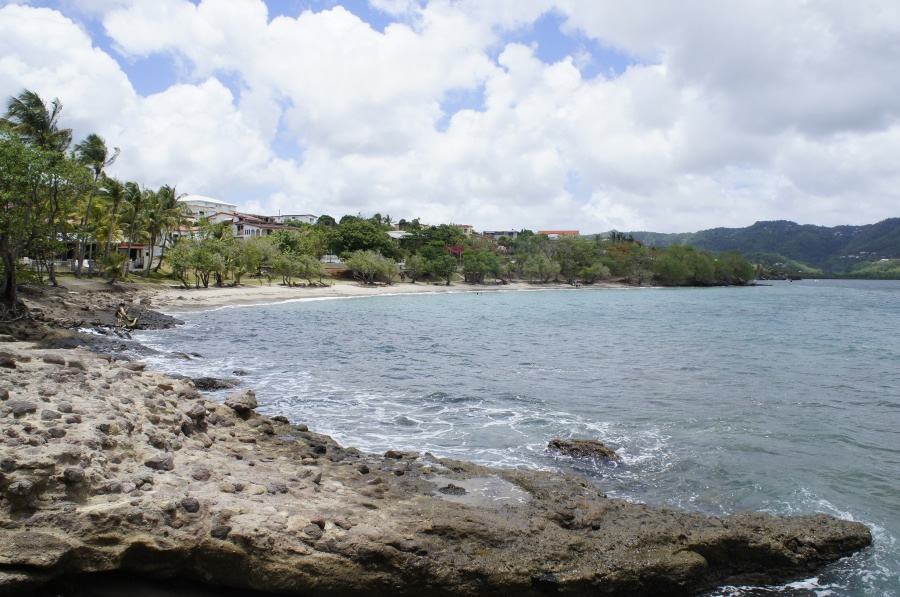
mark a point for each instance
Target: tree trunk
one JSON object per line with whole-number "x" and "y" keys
{"x": 10, "y": 294}
{"x": 85, "y": 223}
{"x": 130, "y": 244}
{"x": 91, "y": 258}
{"x": 162, "y": 251}
{"x": 150, "y": 259}
{"x": 112, "y": 225}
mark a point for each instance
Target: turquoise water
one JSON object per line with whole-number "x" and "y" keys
{"x": 784, "y": 398}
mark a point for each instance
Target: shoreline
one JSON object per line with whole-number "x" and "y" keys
{"x": 107, "y": 466}
{"x": 175, "y": 299}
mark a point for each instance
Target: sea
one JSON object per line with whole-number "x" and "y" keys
{"x": 782, "y": 397}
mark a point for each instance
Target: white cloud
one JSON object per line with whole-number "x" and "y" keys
{"x": 731, "y": 113}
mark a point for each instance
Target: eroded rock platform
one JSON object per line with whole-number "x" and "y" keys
{"x": 106, "y": 466}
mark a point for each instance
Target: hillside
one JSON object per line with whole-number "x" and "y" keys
{"x": 838, "y": 250}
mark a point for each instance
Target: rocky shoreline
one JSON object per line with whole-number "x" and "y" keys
{"x": 105, "y": 466}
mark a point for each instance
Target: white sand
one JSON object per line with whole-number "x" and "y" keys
{"x": 175, "y": 299}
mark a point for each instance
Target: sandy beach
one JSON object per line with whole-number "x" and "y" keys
{"x": 176, "y": 299}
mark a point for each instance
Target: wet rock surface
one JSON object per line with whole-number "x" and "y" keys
{"x": 583, "y": 448}
{"x": 238, "y": 500}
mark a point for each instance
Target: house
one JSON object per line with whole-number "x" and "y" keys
{"x": 308, "y": 218}
{"x": 249, "y": 225}
{"x": 496, "y": 234}
{"x": 467, "y": 229}
{"x": 198, "y": 206}
{"x": 555, "y": 234}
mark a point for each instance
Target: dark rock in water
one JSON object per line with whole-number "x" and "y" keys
{"x": 451, "y": 489}
{"x": 239, "y": 372}
{"x": 210, "y": 384}
{"x": 583, "y": 448}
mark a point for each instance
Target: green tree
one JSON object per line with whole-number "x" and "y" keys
{"x": 134, "y": 200}
{"x": 168, "y": 199}
{"x": 36, "y": 124}
{"x": 733, "y": 268}
{"x": 365, "y": 265}
{"x": 325, "y": 221}
{"x": 478, "y": 263}
{"x": 114, "y": 267}
{"x": 160, "y": 214}
{"x": 91, "y": 152}
{"x": 181, "y": 259}
{"x": 38, "y": 184}
{"x": 114, "y": 192}
{"x": 443, "y": 266}
{"x": 540, "y": 268}
{"x": 310, "y": 267}
{"x": 287, "y": 265}
{"x": 355, "y": 234}
{"x": 593, "y": 272}
{"x": 415, "y": 267}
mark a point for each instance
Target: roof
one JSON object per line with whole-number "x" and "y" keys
{"x": 565, "y": 232}
{"x": 202, "y": 199}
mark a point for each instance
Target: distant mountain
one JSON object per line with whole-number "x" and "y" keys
{"x": 840, "y": 249}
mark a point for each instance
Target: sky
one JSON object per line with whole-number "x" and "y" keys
{"x": 505, "y": 114}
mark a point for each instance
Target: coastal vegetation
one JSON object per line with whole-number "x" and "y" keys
{"x": 59, "y": 202}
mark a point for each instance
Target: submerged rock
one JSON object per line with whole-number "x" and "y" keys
{"x": 281, "y": 515}
{"x": 583, "y": 448}
{"x": 210, "y": 384}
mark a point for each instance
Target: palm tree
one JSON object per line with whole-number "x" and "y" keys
{"x": 28, "y": 116}
{"x": 168, "y": 199}
{"x": 134, "y": 197}
{"x": 38, "y": 125}
{"x": 92, "y": 152}
{"x": 114, "y": 191}
{"x": 161, "y": 214}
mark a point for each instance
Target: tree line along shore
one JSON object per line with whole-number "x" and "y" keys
{"x": 59, "y": 201}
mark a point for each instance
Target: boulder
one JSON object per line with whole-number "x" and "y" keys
{"x": 241, "y": 402}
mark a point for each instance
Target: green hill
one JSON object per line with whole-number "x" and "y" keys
{"x": 842, "y": 250}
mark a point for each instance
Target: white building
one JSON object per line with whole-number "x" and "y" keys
{"x": 496, "y": 234}
{"x": 308, "y": 218}
{"x": 198, "y": 206}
